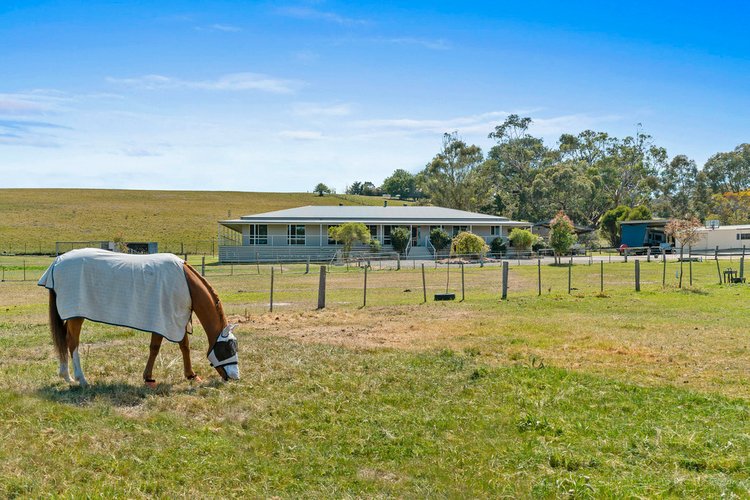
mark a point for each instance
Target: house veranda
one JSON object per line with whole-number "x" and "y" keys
{"x": 297, "y": 234}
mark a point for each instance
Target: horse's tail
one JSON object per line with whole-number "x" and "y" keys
{"x": 57, "y": 327}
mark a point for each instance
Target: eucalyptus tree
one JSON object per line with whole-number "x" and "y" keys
{"x": 677, "y": 188}
{"x": 563, "y": 186}
{"x": 455, "y": 177}
{"x": 730, "y": 171}
{"x": 512, "y": 165}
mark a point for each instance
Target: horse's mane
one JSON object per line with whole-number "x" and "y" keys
{"x": 212, "y": 292}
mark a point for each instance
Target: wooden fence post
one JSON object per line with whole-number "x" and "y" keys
{"x": 463, "y": 295}
{"x": 637, "y": 275}
{"x": 539, "y": 275}
{"x": 424, "y": 284}
{"x": 648, "y": 254}
{"x": 570, "y": 274}
{"x": 690, "y": 264}
{"x": 307, "y": 267}
{"x": 718, "y": 270}
{"x": 322, "y": 288}
{"x": 271, "y": 300}
{"x": 505, "y": 281}
{"x": 664, "y": 268}
{"x": 364, "y": 295}
{"x": 203, "y": 266}
{"x": 601, "y": 277}
{"x": 742, "y": 263}
{"x": 398, "y": 262}
{"x": 716, "y": 253}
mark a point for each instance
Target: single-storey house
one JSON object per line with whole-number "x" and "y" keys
{"x": 301, "y": 233}
{"x": 724, "y": 237}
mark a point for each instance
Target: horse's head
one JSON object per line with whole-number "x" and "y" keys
{"x": 223, "y": 354}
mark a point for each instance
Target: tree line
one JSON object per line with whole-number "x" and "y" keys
{"x": 594, "y": 178}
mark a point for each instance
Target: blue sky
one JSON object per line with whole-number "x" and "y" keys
{"x": 278, "y": 96}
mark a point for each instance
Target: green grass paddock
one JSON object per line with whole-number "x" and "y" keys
{"x": 582, "y": 394}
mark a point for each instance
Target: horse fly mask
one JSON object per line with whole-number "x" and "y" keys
{"x": 224, "y": 351}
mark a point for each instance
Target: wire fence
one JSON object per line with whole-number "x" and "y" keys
{"x": 34, "y": 248}
{"x": 260, "y": 288}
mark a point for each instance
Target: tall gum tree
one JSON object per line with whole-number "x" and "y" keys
{"x": 455, "y": 177}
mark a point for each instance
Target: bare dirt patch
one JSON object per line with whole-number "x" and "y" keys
{"x": 403, "y": 328}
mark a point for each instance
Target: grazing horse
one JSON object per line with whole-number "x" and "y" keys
{"x": 153, "y": 293}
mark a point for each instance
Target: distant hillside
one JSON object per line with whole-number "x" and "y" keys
{"x": 35, "y": 217}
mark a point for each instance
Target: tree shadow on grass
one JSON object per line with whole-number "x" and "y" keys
{"x": 115, "y": 394}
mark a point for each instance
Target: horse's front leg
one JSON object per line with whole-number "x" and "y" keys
{"x": 153, "y": 352}
{"x": 74, "y": 336}
{"x": 186, "y": 362}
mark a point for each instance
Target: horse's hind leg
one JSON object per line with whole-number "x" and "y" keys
{"x": 153, "y": 352}
{"x": 64, "y": 371}
{"x": 186, "y": 362}
{"x": 74, "y": 336}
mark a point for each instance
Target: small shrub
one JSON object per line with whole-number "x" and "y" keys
{"x": 522, "y": 239}
{"x": 375, "y": 246}
{"x": 439, "y": 239}
{"x": 466, "y": 243}
{"x": 400, "y": 238}
{"x": 498, "y": 245}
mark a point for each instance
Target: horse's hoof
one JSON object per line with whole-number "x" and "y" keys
{"x": 195, "y": 379}
{"x": 151, "y": 384}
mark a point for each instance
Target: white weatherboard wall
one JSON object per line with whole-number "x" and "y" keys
{"x": 725, "y": 237}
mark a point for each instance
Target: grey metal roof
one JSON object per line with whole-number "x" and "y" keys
{"x": 374, "y": 215}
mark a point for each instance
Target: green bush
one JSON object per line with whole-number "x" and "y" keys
{"x": 400, "y": 238}
{"x": 498, "y": 245}
{"x": 375, "y": 246}
{"x": 466, "y": 243}
{"x": 522, "y": 239}
{"x": 348, "y": 234}
{"x": 439, "y": 239}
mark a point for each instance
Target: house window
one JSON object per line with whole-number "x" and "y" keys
{"x": 459, "y": 229}
{"x": 373, "y": 231}
{"x": 387, "y": 235}
{"x": 259, "y": 234}
{"x": 296, "y": 234}
{"x": 495, "y": 230}
{"x": 743, "y": 236}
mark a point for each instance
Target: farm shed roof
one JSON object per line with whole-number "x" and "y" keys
{"x": 373, "y": 215}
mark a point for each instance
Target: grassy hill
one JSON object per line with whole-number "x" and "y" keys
{"x": 39, "y": 217}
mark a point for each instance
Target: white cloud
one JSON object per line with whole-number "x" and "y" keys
{"x": 464, "y": 124}
{"x": 301, "y": 135}
{"x": 482, "y": 123}
{"x": 318, "y": 109}
{"x": 140, "y": 152}
{"x": 438, "y": 44}
{"x": 318, "y": 15}
{"x": 229, "y": 82}
{"x": 33, "y": 102}
{"x": 228, "y": 28}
